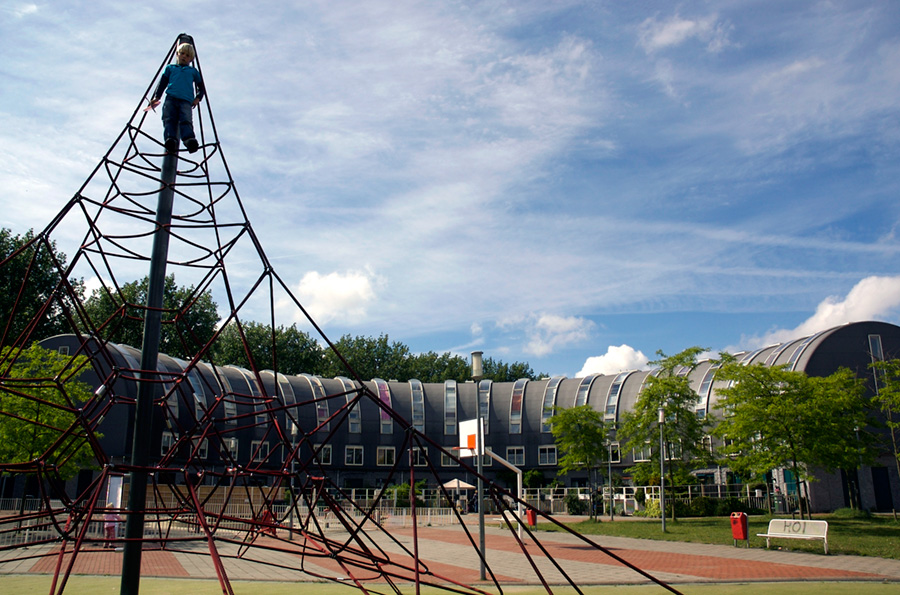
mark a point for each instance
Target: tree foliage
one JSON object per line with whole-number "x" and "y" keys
{"x": 581, "y": 438}
{"x": 581, "y": 435}
{"x": 297, "y": 352}
{"x": 887, "y": 398}
{"x": 379, "y": 357}
{"x": 37, "y": 410}
{"x": 499, "y": 371}
{"x": 188, "y": 322}
{"x": 668, "y": 388}
{"x": 29, "y": 284}
{"x": 370, "y": 357}
{"x": 775, "y": 417}
{"x": 433, "y": 367}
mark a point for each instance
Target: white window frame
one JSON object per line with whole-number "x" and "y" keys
{"x": 324, "y": 453}
{"x": 544, "y": 452}
{"x": 614, "y": 453}
{"x": 385, "y": 456}
{"x": 487, "y": 460}
{"x": 354, "y": 448}
{"x": 233, "y": 446}
{"x": 230, "y": 409}
{"x": 643, "y": 455}
{"x": 516, "y": 455}
{"x": 263, "y": 453}
{"x": 167, "y": 443}
{"x": 203, "y": 451}
{"x": 420, "y": 456}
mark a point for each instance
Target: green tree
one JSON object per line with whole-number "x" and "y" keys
{"x": 668, "y": 388}
{"x": 188, "y": 321}
{"x": 533, "y": 478}
{"x": 370, "y": 357}
{"x": 499, "y": 371}
{"x": 297, "y": 352}
{"x": 581, "y": 435}
{"x": 38, "y": 410}
{"x": 775, "y": 417}
{"x": 30, "y": 278}
{"x": 432, "y": 367}
{"x": 887, "y": 397}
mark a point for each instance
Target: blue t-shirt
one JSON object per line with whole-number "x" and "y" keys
{"x": 179, "y": 81}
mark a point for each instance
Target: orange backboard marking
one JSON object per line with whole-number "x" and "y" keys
{"x": 471, "y": 441}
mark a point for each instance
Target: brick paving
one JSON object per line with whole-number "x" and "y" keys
{"x": 109, "y": 562}
{"x": 448, "y": 554}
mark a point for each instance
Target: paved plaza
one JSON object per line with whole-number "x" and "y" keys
{"x": 446, "y": 552}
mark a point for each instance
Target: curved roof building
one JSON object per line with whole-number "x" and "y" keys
{"x": 358, "y": 440}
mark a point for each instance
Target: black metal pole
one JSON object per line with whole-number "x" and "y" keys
{"x": 143, "y": 415}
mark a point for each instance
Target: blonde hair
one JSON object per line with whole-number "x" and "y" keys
{"x": 187, "y": 49}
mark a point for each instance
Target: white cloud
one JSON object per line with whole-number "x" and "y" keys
{"x": 549, "y": 332}
{"x": 24, "y": 10}
{"x": 873, "y": 298}
{"x": 617, "y": 359}
{"x": 342, "y": 297}
{"x": 656, "y": 35}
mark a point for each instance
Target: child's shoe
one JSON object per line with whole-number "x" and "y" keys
{"x": 192, "y": 145}
{"x": 171, "y": 145}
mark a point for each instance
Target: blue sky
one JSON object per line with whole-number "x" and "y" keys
{"x": 572, "y": 184}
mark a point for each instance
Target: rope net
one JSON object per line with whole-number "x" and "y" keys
{"x": 279, "y": 507}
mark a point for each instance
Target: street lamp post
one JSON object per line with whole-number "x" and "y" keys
{"x": 662, "y": 467}
{"x": 612, "y": 501}
{"x": 477, "y": 375}
{"x": 295, "y": 431}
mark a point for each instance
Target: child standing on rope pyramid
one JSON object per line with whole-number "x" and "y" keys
{"x": 178, "y": 81}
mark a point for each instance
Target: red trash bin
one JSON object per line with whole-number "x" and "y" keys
{"x": 739, "y": 527}
{"x": 531, "y": 517}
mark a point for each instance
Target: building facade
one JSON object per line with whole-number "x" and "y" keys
{"x": 223, "y": 415}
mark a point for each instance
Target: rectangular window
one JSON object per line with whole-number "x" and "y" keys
{"x": 204, "y": 448}
{"x": 486, "y": 460}
{"x": 324, "y": 451}
{"x": 260, "y": 450}
{"x": 728, "y": 444}
{"x": 614, "y": 455}
{"x": 230, "y": 412}
{"x": 63, "y": 350}
{"x": 354, "y": 423}
{"x": 450, "y": 407}
{"x": 547, "y": 455}
{"x": 232, "y": 445}
{"x": 199, "y": 406}
{"x": 353, "y": 455}
{"x": 168, "y": 440}
{"x": 875, "y": 349}
{"x": 420, "y": 456}
{"x": 644, "y": 454}
{"x": 385, "y": 456}
{"x": 516, "y": 455}
{"x": 673, "y": 451}
{"x": 447, "y": 460}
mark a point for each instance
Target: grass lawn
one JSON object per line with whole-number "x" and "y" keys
{"x": 873, "y": 536}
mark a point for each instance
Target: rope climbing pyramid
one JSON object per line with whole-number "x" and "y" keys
{"x": 176, "y": 478}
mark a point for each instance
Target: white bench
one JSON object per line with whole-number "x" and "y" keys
{"x": 794, "y": 529}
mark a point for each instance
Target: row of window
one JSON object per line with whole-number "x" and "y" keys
{"x": 385, "y": 456}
